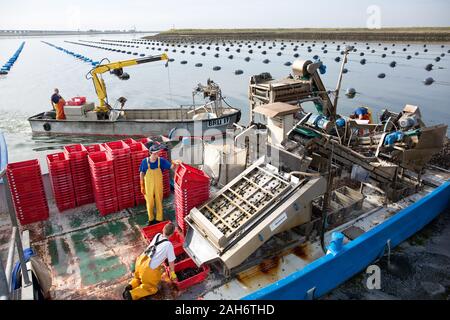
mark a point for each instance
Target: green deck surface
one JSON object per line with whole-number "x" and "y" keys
{"x": 90, "y": 256}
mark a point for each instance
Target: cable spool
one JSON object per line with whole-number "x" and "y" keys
{"x": 300, "y": 67}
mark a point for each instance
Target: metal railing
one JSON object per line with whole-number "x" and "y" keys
{"x": 6, "y": 287}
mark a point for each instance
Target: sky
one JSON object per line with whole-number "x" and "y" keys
{"x": 151, "y": 15}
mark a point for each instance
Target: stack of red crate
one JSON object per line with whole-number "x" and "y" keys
{"x": 191, "y": 190}
{"x": 79, "y": 165}
{"x": 103, "y": 182}
{"x": 120, "y": 154}
{"x": 61, "y": 180}
{"x": 138, "y": 153}
{"x": 27, "y": 191}
{"x": 166, "y": 173}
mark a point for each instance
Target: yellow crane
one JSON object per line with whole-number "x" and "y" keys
{"x": 115, "y": 68}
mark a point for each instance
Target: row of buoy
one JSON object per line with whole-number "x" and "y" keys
{"x": 241, "y": 42}
{"x": 8, "y": 65}
{"x": 108, "y": 49}
{"x": 75, "y": 55}
{"x": 231, "y": 44}
{"x": 337, "y": 59}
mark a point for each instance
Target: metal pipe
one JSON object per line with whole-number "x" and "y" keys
{"x": 10, "y": 259}
{"x": 14, "y": 223}
{"x": 338, "y": 88}
{"x": 4, "y": 288}
{"x": 23, "y": 264}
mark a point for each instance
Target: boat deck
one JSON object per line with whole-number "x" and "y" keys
{"x": 92, "y": 257}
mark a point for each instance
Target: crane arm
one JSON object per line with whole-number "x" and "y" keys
{"x": 117, "y": 69}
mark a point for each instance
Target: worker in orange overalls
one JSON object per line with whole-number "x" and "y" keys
{"x": 149, "y": 266}
{"x": 58, "y": 104}
{"x": 152, "y": 188}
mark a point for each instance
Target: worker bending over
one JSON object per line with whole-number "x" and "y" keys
{"x": 361, "y": 113}
{"x": 152, "y": 182}
{"x": 58, "y": 104}
{"x": 149, "y": 268}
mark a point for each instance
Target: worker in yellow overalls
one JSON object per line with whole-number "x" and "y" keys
{"x": 151, "y": 170}
{"x": 149, "y": 266}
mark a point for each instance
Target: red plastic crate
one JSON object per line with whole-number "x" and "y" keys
{"x": 27, "y": 191}
{"x": 117, "y": 147}
{"x": 76, "y": 101}
{"x": 189, "y": 282}
{"x": 95, "y": 148}
{"x": 150, "y": 231}
{"x": 75, "y": 151}
{"x": 129, "y": 141}
{"x": 191, "y": 174}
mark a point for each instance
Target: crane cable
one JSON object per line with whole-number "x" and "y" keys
{"x": 170, "y": 86}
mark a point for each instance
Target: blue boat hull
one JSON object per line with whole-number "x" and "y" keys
{"x": 328, "y": 272}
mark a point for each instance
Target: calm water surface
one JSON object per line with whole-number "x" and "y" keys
{"x": 40, "y": 68}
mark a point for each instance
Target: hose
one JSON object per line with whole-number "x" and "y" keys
{"x": 306, "y": 174}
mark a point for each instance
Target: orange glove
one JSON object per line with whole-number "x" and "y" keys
{"x": 142, "y": 187}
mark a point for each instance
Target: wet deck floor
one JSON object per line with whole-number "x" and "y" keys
{"x": 90, "y": 256}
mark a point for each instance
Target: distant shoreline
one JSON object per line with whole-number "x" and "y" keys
{"x": 45, "y": 33}
{"x": 428, "y": 34}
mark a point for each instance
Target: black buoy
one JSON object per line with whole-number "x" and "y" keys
{"x": 237, "y": 72}
{"x": 429, "y": 67}
{"x": 362, "y": 61}
{"x": 192, "y": 52}
{"x": 345, "y": 70}
{"x": 230, "y": 56}
{"x": 250, "y": 51}
{"x": 296, "y": 55}
{"x": 171, "y": 60}
{"x": 350, "y": 93}
{"x": 238, "y": 50}
{"x": 428, "y": 81}
{"x": 216, "y": 68}
{"x": 263, "y": 52}
{"x": 325, "y": 51}
{"x": 408, "y": 57}
{"x": 381, "y": 75}
{"x": 216, "y": 55}
{"x": 203, "y": 53}
{"x": 361, "y": 54}
{"x": 266, "y": 61}
{"x": 337, "y": 59}
{"x": 247, "y": 59}
{"x": 383, "y": 55}
{"x": 393, "y": 64}
{"x": 278, "y": 53}
{"x": 183, "y": 62}
{"x": 288, "y": 63}
{"x": 315, "y": 57}
{"x": 437, "y": 59}
{"x": 182, "y": 51}
{"x": 198, "y": 64}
